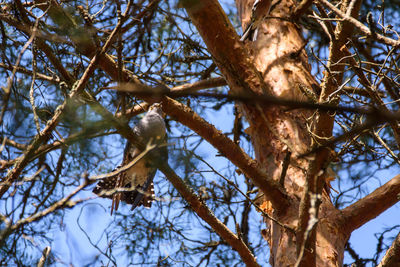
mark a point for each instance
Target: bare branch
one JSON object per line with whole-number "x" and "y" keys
{"x": 371, "y": 205}
{"x": 323, "y": 130}
{"x": 45, "y": 255}
{"x": 41, "y": 137}
{"x": 198, "y": 206}
{"x": 360, "y": 26}
{"x": 301, "y": 8}
{"x": 229, "y": 149}
{"x": 249, "y": 166}
{"x": 40, "y": 76}
{"x": 62, "y": 203}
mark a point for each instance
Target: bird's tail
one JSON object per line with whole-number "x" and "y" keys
{"x": 115, "y": 202}
{"x": 148, "y": 197}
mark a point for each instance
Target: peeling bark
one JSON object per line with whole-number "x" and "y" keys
{"x": 279, "y": 56}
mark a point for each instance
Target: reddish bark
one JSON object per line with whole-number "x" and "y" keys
{"x": 279, "y": 57}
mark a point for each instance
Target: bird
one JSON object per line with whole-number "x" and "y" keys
{"x": 260, "y": 9}
{"x": 135, "y": 185}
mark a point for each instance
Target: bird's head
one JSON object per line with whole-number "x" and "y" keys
{"x": 156, "y": 107}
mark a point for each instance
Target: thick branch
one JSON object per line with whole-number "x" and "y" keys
{"x": 187, "y": 193}
{"x": 222, "y": 42}
{"x": 229, "y": 149}
{"x": 371, "y": 205}
{"x": 323, "y": 129}
{"x": 184, "y": 115}
{"x": 242, "y": 77}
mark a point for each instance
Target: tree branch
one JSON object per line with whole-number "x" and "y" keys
{"x": 187, "y": 193}
{"x": 323, "y": 130}
{"x": 301, "y": 8}
{"x": 40, "y": 76}
{"x": 229, "y": 149}
{"x": 202, "y": 84}
{"x": 186, "y": 116}
{"x": 392, "y": 256}
{"x": 229, "y": 54}
{"x": 41, "y": 137}
{"x": 242, "y": 77}
{"x": 65, "y": 202}
{"x": 350, "y": 19}
{"x": 371, "y": 205}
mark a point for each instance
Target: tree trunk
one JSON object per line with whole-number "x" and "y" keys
{"x": 280, "y": 57}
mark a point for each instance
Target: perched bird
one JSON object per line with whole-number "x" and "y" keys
{"x": 259, "y": 10}
{"x": 137, "y": 181}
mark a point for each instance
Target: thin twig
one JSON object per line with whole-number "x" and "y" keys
{"x": 243, "y": 194}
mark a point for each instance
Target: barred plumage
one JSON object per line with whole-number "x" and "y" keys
{"x": 135, "y": 185}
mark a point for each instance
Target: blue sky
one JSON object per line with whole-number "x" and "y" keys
{"x": 72, "y": 246}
